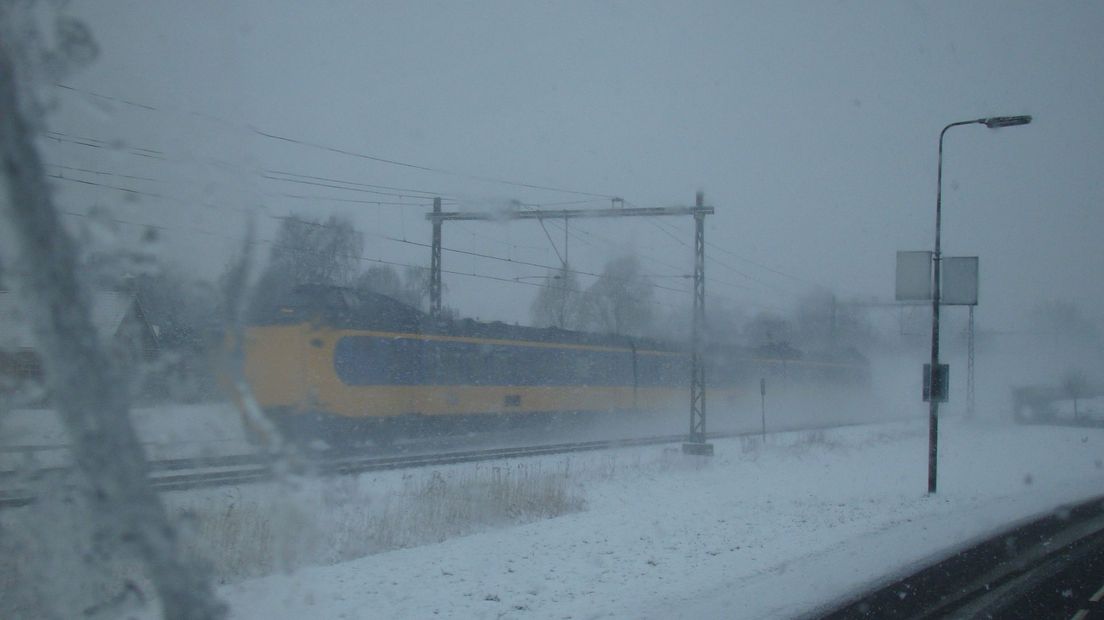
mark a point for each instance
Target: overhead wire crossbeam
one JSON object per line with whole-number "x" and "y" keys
{"x": 696, "y": 441}
{"x": 561, "y": 214}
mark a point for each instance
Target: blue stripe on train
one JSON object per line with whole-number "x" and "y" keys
{"x": 370, "y": 360}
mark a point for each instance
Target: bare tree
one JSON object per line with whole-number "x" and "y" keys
{"x": 411, "y": 287}
{"x": 822, "y": 322}
{"x": 382, "y": 279}
{"x": 415, "y": 286}
{"x": 620, "y": 301}
{"x": 557, "y": 301}
{"x": 125, "y": 511}
{"x": 768, "y": 331}
{"x": 309, "y": 252}
{"x": 1065, "y": 321}
{"x": 1075, "y": 384}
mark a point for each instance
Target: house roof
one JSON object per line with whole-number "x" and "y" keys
{"x": 108, "y": 311}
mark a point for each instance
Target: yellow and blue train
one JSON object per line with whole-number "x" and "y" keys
{"x": 347, "y": 365}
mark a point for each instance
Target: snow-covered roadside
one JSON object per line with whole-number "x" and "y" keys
{"x": 757, "y": 532}
{"x": 166, "y": 431}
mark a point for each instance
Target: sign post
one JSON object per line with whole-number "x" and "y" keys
{"x": 763, "y": 405}
{"x": 948, "y": 281}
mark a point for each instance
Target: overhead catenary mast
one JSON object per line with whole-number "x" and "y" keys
{"x": 695, "y": 443}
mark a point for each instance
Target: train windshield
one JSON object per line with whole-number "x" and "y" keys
{"x": 558, "y": 310}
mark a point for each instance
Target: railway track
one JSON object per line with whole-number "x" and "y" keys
{"x": 196, "y": 473}
{"x": 181, "y": 474}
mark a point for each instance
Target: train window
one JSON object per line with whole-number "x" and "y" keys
{"x": 513, "y": 360}
{"x": 406, "y": 361}
{"x": 361, "y": 360}
{"x": 345, "y": 237}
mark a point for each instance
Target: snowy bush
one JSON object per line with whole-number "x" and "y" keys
{"x": 261, "y": 530}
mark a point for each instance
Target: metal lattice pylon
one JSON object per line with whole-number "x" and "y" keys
{"x": 696, "y": 443}
{"x": 697, "y": 363}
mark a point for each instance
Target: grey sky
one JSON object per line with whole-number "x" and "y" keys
{"x": 811, "y": 126}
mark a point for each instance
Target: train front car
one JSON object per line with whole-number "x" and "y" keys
{"x": 290, "y": 351}
{"x": 344, "y": 366}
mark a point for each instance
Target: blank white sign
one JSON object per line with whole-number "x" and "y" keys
{"x": 914, "y": 276}
{"x": 959, "y": 281}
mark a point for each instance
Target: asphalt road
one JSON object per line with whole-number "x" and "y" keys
{"x": 1051, "y": 567}
{"x": 1061, "y": 587}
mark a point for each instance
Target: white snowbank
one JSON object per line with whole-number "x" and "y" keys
{"x": 759, "y": 531}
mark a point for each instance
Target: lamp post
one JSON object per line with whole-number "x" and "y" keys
{"x": 936, "y": 389}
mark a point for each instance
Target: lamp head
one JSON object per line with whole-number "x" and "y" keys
{"x": 1005, "y": 121}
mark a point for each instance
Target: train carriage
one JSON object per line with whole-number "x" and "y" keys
{"x": 349, "y": 363}
{"x": 346, "y": 365}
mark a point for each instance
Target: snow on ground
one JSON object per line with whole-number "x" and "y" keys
{"x": 768, "y": 530}
{"x": 1087, "y": 408}
{"x": 166, "y": 431}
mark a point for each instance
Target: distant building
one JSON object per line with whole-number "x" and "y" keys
{"x": 117, "y": 317}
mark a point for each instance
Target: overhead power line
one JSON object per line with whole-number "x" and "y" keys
{"x": 104, "y": 173}
{"x": 395, "y": 162}
{"x": 405, "y": 190}
{"x": 345, "y": 185}
{"x": 135, "y": 192}
{"x": 381, "y": 203}
{"x": 357, "y": 257}
{"x": 723, "y": 264}
{"x": 374, "y": 192}
{"x": 351, "y": 153}
{"x": 127, "y": 190}
{"x": 503, "y": 259}
{"x": 709, "y": 276}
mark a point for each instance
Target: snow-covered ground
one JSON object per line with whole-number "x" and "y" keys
{"x": 770, "y": 530}
{"x": 166, "y": 431}
{"x": 1085, "y": 409}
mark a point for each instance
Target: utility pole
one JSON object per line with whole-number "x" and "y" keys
{"x": 565, "y": 244}
{"x": 937, "y": 376}
{"x": 763, "y": 404}
{"x": 696, "y": 442}
{"x": 435, "y": 265}
{"x": 970, "y": 366}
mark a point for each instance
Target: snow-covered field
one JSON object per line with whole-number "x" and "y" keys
{"x": 767, "y": 529}
{"x": 166, "y": 431}
{"x": 770, "y": 530}
{"x": 1085, "y": 408}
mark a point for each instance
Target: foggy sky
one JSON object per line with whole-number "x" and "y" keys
{"x": 812, "y": 127}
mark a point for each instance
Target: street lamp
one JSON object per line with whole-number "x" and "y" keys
{"x": 936, "y": 388}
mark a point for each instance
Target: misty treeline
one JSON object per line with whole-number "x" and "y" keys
{"x": 817, "y": 322}
{"x": 329, "y": 253}
{"x": 621, "y": 300}
{"x": 1081, "y": 339}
